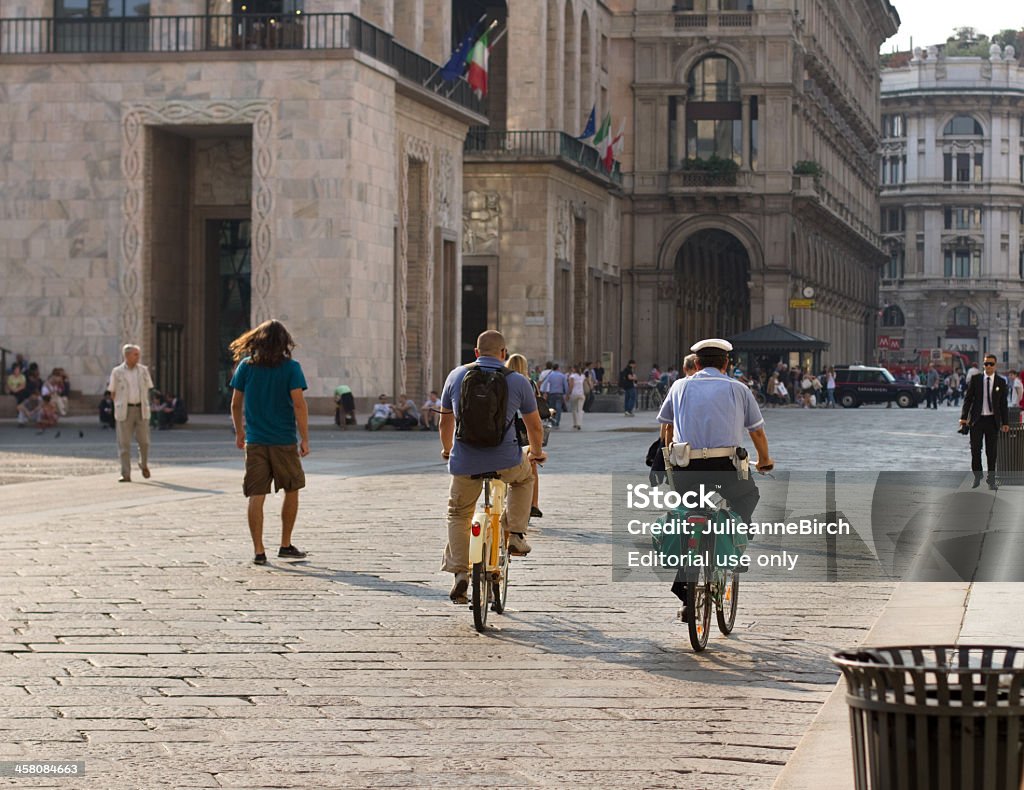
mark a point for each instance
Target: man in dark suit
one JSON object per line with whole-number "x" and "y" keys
{"x": 986, "y": 413}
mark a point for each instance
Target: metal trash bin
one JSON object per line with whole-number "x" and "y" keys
{"x": 945, "y": 717}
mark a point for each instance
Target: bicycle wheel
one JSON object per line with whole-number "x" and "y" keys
{"x": 499, "y": 587}
{"x": 700, "y": 604}
{"x": 730, "y": 601}
{"x": 481, "y": 594}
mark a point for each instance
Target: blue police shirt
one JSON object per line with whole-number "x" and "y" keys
{"x": 269, "y": 411}
{"x": 709, "y": 409}
{"x": 468, "y": 460}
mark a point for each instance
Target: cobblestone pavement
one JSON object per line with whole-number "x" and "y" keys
{"x": 135, "y": 634}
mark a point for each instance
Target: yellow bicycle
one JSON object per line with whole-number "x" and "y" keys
{"x": 488, "y": 552}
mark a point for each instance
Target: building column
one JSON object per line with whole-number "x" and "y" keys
{"x": 745, "y": 121}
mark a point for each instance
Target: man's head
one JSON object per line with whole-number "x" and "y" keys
{"x": 382, "y": 399}
{"x": 554, "y": 366}
{"x": 433, "y": 394}
{"x": 632, "y": 363}
{"x": 712, "y": 353}
{"x": 131, "y": 354}
{"x": 989, "y": 363}
{"x": 689, "y": 364}
{"x": 491, "y": 344}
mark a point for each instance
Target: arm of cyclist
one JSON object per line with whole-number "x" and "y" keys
{"x": 667, "y": 432}
{"x": 760, "y": 440}
{"x": 535, "y": 433}
{"x": 446, "y": 428}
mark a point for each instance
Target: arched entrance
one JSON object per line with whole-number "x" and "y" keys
{"x": 712, "y": 272}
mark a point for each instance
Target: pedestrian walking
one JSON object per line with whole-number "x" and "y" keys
{"x": 830, "y": 387}
{"x": 627, "y": 383}
{"x": 129, "y": 386}
{"x": 985, "y": 412}
{"x": 932, "y": 383}
{"x": 577, "y": 395}
{"x": 517, "y": 362}
{"x": 556, "y": 387}
{"x": 267, "y": 406}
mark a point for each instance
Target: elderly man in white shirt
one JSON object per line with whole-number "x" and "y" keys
{"x": 129, "y": 387}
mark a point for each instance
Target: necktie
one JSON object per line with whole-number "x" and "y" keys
{"x": 988, "y": 394}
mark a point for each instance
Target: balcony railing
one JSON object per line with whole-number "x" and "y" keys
{"x": 541, "y": 145}
{"x": 713, "y": 19}
{"x": 249, "y": 33}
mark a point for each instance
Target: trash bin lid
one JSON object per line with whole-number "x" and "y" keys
{"x": 948, "y": 678}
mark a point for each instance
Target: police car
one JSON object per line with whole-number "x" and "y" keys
{"x": 857, "y": 384}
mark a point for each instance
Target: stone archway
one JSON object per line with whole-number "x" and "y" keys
{"x": 712, "y": 275}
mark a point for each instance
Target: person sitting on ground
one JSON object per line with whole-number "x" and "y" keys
{"x": 46, "y": 416}
{"x": 382, "y": 412}
{"x": 107, "y": 411}
{"x": 54, "y": 387}
{"x": 173, "y": 412}
{"x": 428, "y": 414}
{"x": 28, "y": 409}
{"x": 406, "y": 416}
{"x": 156, "y": 404}
{"x": 16, "y": 385}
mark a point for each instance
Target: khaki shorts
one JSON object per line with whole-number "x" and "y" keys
{"x": 266, "y": 463}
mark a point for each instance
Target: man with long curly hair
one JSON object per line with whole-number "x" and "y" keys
{"x": 268, "y": 388}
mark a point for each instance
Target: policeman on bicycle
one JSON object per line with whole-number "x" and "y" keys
{"x": 467, "y": 461}
{"x": 703, "y": 420}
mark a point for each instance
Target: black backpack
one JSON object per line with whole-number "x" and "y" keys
{"x": 483, "y": 403}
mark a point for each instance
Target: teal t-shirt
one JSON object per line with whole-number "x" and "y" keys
{"x": 269, "y": 412}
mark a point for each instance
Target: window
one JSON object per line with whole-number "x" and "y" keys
{"x": 894, "y": 125}
{"x": 894, "y": 270}
{"x": 962, "y": 218}
{"x": 963, "y": 316}
{"x": 962, "y": 126}
{"x": 714, "y": 126}
{"x": 714, "y": 79}
{"x": 893, "y": 220}
{"x": 963, "y": 167}
{"x": 962, "y": 263}
{"x": 71, "y": 9}
{"x": 892, "y": 317}
{"x": 101, "y": 25}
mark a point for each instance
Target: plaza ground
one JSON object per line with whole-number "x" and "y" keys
{"x": 136, "y": 635}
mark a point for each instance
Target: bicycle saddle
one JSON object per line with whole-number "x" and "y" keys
{"x": 486, "y": 476}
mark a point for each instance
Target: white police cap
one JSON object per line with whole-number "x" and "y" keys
{"x": 711, "y": 345}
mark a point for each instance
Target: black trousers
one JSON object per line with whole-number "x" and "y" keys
{"x": 984, "y": 428}
{"x": 718, "y": 473}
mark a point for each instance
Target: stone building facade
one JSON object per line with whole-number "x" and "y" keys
{"x": 782, "y": 98}
{"x": 952, "y": 172}
{"x": 174, "y": 179}
{"x": 542, "y": 230}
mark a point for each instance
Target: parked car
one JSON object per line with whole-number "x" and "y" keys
{"x": 857, "y": 384}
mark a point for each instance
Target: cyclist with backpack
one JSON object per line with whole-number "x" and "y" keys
{"x": 478, "y": 407}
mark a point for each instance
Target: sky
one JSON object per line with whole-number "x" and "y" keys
{"x": 933, "y": 21}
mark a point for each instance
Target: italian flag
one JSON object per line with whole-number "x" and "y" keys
{"x": 615, "y": 147}
{"x": 603, "y": 138}
{"x": 477, "y": 61}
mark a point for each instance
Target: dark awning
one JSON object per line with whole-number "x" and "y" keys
{"x": 775, "y": 337}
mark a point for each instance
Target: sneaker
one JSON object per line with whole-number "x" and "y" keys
{"x": 260, "y": 559}
{"x": 535, "y": 512}
{"x": 517, "y": 545}
{"x": 124, "y": 479}
{"x": 684, "y": 614}
{"x": 145, "y": 471}
{"x": 458, "y": 591}
{"x": 290, "y": 552}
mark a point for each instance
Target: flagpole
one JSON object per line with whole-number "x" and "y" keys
{"x": 437, "y": 71}
{"x": 490, "y": 27}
